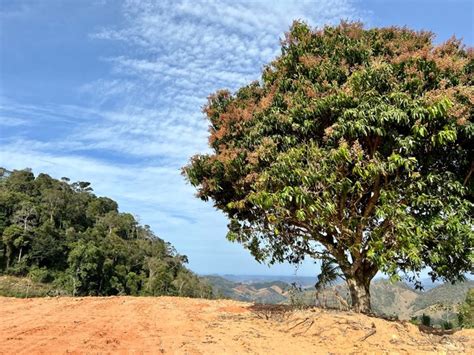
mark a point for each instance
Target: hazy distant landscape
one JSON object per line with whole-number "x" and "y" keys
{"x": 301, "y": 280}
{"x": 398, "y": 299}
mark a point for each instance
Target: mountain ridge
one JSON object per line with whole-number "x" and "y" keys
{"x": 397, "y": 299}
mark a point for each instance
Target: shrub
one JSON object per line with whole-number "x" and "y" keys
{"x": 466, "y": 311}
{"x": 426, "y": 320}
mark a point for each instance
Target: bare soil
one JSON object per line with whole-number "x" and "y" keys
{"x": 196, "y": 326}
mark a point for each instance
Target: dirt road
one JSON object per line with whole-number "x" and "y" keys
{"x": 194, "y": 326}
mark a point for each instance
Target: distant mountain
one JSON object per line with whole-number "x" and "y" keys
{"x": 391, "y": 299}
{"x": 260, "y": 292}
{"x": 303, "y": 281}
{"x": 426, "y": 283}
{"x": 445, "y": 294}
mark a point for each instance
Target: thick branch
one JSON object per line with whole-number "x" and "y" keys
{"x": 468, "y": 176}
{"x": 374, "y": 198}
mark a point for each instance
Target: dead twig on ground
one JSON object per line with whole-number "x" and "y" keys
{"x": 307, "y": 328}
{"x": 369, "y": 334}
{"x": 299, "y": 323}
{"x": 274, "y": 312}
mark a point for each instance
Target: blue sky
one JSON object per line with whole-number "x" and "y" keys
{"x": 111, "y": 92}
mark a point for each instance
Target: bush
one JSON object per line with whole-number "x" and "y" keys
{"x": 447, "y": 325}
{"x": 40, "y": 274}
{"x": 22, "y": 287}
{"x": 295, "y": 296}
{"x": 466, "y": 311}
{"x": 426, "y": 320}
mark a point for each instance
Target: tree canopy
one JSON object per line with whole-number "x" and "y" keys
{"x": 60, "y": 232}
{"x": 356, "y": 145}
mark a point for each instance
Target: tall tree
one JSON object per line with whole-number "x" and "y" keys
{"x": 12, "y": 237}
{"x": 356, "y": 145}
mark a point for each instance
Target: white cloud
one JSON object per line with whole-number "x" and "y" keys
{"x": 177, "y": 53}
{"x": 12, "y": 121}
{"x": 141, "y": 123}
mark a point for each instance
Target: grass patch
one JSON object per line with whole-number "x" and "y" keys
{"x": 23, "y": 287}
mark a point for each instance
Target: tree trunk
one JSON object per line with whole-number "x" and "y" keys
{"x": 8, "y": 255}
{"x": 360, "y": 294}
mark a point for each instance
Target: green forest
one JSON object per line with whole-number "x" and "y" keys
{"x": 58, "y": 232}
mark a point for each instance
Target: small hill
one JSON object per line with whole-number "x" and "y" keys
{"x": 445, "y": 294}
{"x": 59, "y": 234}
{"x": 260, "y": 292}
{"x": 393, "y": 298}
{"x": 441, "y": 303}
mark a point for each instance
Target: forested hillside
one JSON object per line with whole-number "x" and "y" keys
{"x": 58, "y": 232}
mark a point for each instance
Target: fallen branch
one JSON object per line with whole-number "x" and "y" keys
{"x": 260, "y": 315}
{"x": 307, "y": 328}
{"x": 369, "y": 334}
{"x": 297, "y": 324}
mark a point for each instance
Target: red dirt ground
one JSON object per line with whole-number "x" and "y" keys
{"x": 196, "y": 326}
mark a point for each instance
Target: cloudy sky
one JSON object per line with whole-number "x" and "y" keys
{"x": 111, "y": 92}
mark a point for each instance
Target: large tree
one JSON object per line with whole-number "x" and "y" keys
{"x": 356, "y": 146}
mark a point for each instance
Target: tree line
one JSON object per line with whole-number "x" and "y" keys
{"x": 59, "y": 232}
